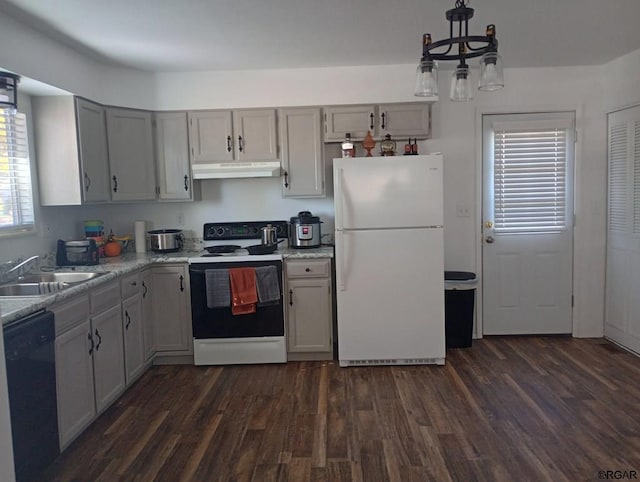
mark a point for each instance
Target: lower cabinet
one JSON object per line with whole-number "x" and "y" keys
{"x": 309, "y": 309}
{"x": 89, "y": 358}
{"x": 74, "y": 381}
{"x": 132, "y": 321}
{"x": 172, "y": 310}
{"x": 108, "y": 356}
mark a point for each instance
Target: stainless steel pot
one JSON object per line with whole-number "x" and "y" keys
{"x": 165, "y": 240}
{"x": 269, "y": 235}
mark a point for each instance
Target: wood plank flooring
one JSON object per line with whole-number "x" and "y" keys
{"x": 507, "y": 409}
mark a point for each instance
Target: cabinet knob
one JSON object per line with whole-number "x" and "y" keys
{"x": 307, "y": 269}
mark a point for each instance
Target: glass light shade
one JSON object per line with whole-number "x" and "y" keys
{"x": 426, "y": 79}
{"x": 461, "y": 85}
{"x": 491, "y": 76}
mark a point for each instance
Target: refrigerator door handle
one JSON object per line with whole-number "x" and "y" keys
{"x": 340, "y": 249}
{"x": 340, "y": 197}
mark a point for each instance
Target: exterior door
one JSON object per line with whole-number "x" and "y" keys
{"x": 527, "y": 224}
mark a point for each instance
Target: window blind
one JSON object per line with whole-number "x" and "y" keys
{"x": 16, "y": 197}
{"x": 618, "y": 177}
{"x": 636, "y": 178}
{"x": 530, "y": 177}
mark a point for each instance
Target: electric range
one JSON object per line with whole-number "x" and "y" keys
{"x": 219, "y": 336}
{"x": 224, "y": 242}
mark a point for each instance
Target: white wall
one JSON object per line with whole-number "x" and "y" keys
{"x": 454, "y": 129}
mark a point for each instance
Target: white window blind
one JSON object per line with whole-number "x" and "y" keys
{"x": 618, "y": 177}
{"x": 636, "y": 178}
{"x": 530, "y": 178}
{"x": 16, "y": 198}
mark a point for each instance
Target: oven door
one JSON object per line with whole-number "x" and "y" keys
{"x": 211, "y": 323}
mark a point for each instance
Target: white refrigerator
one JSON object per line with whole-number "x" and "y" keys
{"x": 389, "y": 260}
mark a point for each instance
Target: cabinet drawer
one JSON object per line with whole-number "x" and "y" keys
{"x": 317, "y": 268}
{"x": 105, "y": 296}
{"x": 130, "y": 285}
{"x": 71, "y": 313}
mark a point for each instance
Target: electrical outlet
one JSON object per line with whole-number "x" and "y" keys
{"x": 463, "y": 211}
{"x": 180, "y": 219}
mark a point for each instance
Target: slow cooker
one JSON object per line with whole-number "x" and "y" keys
{"x": 304, "y": 230}
{"x": 165, "y": 240}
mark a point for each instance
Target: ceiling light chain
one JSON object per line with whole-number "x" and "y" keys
{"x": 469, "y": 46}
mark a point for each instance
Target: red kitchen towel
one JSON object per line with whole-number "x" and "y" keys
{"x": 243, "y": 290}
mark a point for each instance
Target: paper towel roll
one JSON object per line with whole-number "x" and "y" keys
{"x": 141, "y": 236}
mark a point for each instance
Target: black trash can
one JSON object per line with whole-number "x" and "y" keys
{"x": 459, "y": 306}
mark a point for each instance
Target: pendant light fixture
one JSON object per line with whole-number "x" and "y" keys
{"x": 9, "y": 90}
{"x": 468, "y": 46}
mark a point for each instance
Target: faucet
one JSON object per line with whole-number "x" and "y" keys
{"x": 20, "y": 265}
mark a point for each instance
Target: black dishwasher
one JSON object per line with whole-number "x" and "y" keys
{"x": 31, "y": 379}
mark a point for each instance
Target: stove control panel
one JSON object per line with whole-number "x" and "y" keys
{"x": 239, "y": 230}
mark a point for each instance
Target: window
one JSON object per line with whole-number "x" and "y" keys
{"x": 531, "y": 159}
{"x": 16, "y": 197}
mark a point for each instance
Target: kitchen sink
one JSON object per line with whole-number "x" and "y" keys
{"x": 21, "y": 289}
{"x": 45, "y": 283}
{"x": 59, "y": 277}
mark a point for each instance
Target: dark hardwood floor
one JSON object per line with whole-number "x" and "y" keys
{"x": 507, "y": 409}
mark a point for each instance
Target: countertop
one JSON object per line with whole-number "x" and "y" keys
{"x": 13, "y": 308}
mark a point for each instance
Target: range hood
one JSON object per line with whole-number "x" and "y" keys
{"x": 226, "y": 170}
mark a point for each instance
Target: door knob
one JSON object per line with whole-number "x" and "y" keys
{"x": 489, "y": 239}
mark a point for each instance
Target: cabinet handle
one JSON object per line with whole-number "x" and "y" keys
{"x": 90, "y": 338}
{"x": 144, "y": 290}
{"x": 383, "y": 115}
{"x": 307, "y": 269}
{"x": 290, "y": 297}
{"x": 286, "y": 179}
{"x": 371, "y": 117}
{"x": 228, "y": 143}
{"x": 186, "y": 182}
{"x": 87, "y": 182}
{"x": 126, "y": 314}
{"x": 181, "y": 283}
{"x": 115, "y": 183}
{"x": 99, "y": 340}
{"x": 240, "y": 144}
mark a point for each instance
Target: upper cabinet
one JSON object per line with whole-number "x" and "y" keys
{"x": 71, "y": 150}
{"x": 301, "y": 144}
{"x": 226, "y": 136}
{"x": 172, "y": 156}
{"x": 400, "y": 120}
{"x": 131, "y": 161}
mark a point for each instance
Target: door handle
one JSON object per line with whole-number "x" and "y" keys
{"x": 115, "y": 183}
{"x": 126, "y": 314}
{"x": 286, "y": 179}
{"x": 87, "y": 182}
{"x": 228, "y": 143}
{"x": 181, "y": 283}
{"x": 99, "y": 340}
{"x": 144, "y": 287}
{"x": 186, "y": 182}
{"x": 290, "y": 297}
{"x": 489, "y": 239}
{"x": 90, "y": 338}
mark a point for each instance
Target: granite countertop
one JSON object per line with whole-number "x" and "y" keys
{"x": 13, "y": 308}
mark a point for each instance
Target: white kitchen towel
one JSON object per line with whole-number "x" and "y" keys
{"x": 141, "y": 236}
{"x": 50, "y": 286}
{"x": 267, "y": 284}
{"x": 217, "y": 287}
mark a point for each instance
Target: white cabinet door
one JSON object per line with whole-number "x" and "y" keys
{"x": 301, "y": 142}
{"x": 133, "y": 337}
{"x": 404, "y": 120}
{"x": 309, "y": 310}
{"x": 92, "y": 145}
{"x": 172, "y": 309}
{"x": 130, "y": 141}
{"x": 211, "y": 136}
{"x": 74, "y": 381}
{"x": 108, "y": 356}
{"x": 356, "y": 120}
{"x": 255, "y": 135}
{"x": 172, "y": 152}
{"x": 147, "y": 314}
